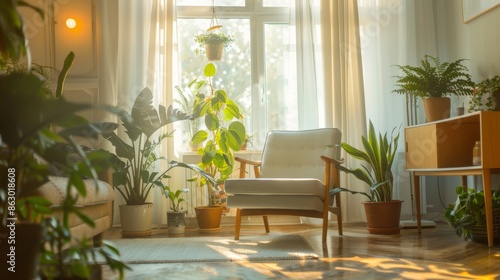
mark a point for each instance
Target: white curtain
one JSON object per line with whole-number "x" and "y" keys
{"x": 133, "y": 56}
{"x": 394, "y": 32}
{"x": 304, "y": 18}
{"x": 344, "y": 94}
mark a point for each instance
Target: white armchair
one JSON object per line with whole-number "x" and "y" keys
{"x": 294, "y": 177}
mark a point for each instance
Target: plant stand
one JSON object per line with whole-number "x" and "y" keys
{"x": 176, "y": 222}
{"x": 383, "y": 217}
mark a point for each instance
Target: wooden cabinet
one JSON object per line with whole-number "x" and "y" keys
{"x": 444, "y": 148}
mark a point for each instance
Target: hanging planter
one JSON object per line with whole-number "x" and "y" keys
{"x": 212, "y": 42}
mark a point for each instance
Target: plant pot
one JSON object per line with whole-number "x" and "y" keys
{"x": 136, "y": 219}
{"x": 437, "y": 108}
{"x": 214, "y": 52}
{"x": 383, "y": 217}
{"x": 208, "y": 218}
{"x": 28, "y": 238}
{"x": 496, "y": 100}
{"x": 176, "y": 222}
{"x": 194, "y": 147}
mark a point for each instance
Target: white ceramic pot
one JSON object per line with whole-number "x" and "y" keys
{"x": 136, "y": 219}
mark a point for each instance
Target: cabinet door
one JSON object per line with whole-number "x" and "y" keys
{"x": 421, "y": 147}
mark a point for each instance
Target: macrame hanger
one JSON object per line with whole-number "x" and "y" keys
{"x": 214, "y": 24}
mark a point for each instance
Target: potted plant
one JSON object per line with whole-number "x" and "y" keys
{"x": 176, "y": 217}
{"x": 134, "y": 174}
{"x": 247, "y": 141}
{"x": 468, "y": 214}
{"x": 212, "y": 43}
{"x": 224, "y": 134}
{"x": 433, "y": 81}
{"x": 28, "y": 111}
{"x": 382, "y": 212}
{"x": 486, "y": 95}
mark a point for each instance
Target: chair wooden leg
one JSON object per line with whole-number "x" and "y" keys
{"x": 325, "y": 228}
{"x": 339, "y": 214}
{"x": 237, "y": 225}
{"x": 266, "y": 223}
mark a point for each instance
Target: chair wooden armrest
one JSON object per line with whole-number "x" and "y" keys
{"x": 330, "y": 160}
{"x": 243, "y": 164}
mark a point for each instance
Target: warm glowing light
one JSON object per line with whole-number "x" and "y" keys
{"x": 71, "y": 23}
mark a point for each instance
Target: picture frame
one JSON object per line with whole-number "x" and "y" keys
{"x": 472, "y": 9}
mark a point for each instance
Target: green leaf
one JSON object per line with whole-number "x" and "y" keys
{"x": 209, "y": 70}
{"x": 200, "y": 137}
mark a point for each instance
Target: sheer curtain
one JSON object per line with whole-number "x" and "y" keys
{"x": 132, "y": 55}
{"x": 394, "y": 32}
{"x": 304, "y": 19}
{"x": 344, "y": 94}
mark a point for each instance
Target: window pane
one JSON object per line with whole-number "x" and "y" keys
{"x": 209, "y": 3}
{"x": 281, "y": 100}
{"x": 276, "y": 3}
{"x": 233, "y": 71}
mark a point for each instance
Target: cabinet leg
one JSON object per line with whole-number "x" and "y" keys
{"x": 487, "y": 203}
{"x": 416, "y": 193}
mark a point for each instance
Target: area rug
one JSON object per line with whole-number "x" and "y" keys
{"x": 214, "y": 249}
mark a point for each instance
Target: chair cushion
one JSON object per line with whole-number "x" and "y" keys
{"x": 275, "y": 186}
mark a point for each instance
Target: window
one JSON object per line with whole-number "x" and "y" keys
{"x": 258, "y": 70}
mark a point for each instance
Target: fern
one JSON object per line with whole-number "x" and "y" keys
{"x": 434, "y": 79}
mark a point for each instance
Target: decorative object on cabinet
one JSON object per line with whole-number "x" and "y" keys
{"x": 486, "y": 95}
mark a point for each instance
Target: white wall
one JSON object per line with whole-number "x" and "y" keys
{"x": 478, "y": 41}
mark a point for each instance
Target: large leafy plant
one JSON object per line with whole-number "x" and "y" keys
{"x": 434, "y": 79}
{"x": 224, "y": 133}
{"x": 378, "y": 157}
{"x": 134, "y": 161}
{"x": 469, "y": 210}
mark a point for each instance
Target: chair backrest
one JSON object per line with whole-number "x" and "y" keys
{"x": 296, "y": 154}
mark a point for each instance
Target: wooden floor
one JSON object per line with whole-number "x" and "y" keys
{"x": 435, "y": 254}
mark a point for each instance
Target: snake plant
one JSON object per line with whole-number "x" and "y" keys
{"x": 378, "y": 157}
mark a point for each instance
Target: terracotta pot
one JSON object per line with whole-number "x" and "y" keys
{"x": 208, "y": 217}
{"x": 437, "y": 108}
{"x": 383, "y": 217}
{"x": 176, "y": 222}
{"x": 136, "y": 219}
{"x": 214, "y": 52}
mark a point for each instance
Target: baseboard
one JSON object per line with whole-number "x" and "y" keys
{"x": 413, "y": 224}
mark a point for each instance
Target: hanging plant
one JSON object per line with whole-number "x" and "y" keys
{"x": 213, "y": 42}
